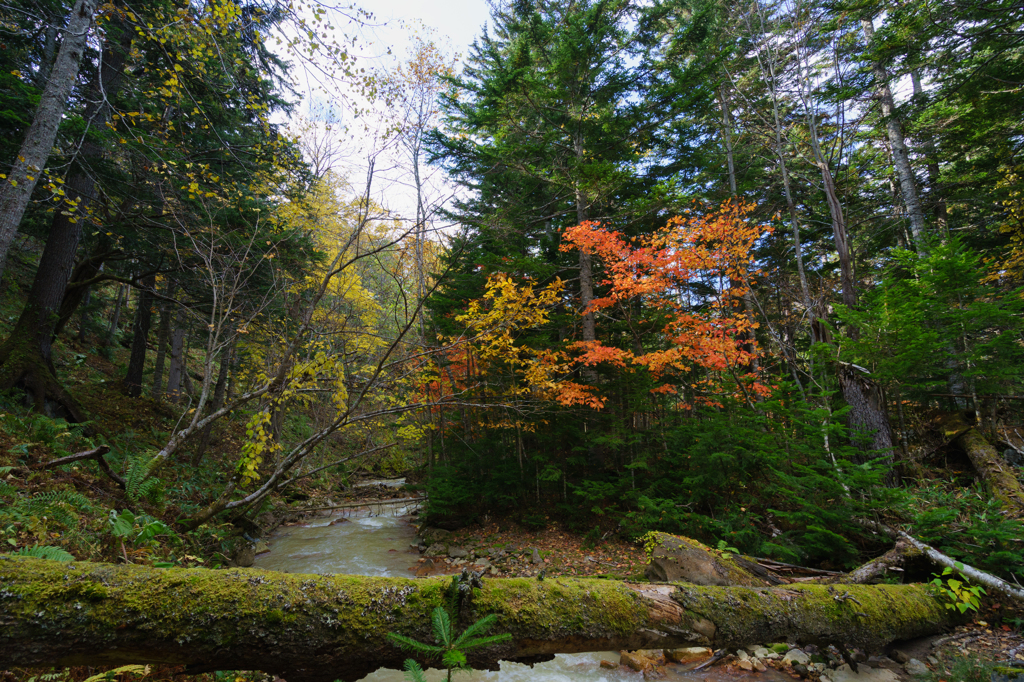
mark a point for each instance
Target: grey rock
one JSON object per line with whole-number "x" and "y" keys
{"x": 796, "y": 656}
{"x": 899, "y": 656}
{"x": 800, "y": 669}
{"x": 458, "y": 552}
{"x": 916, "y": 668}
{"x": 761, "y": 652}
{"x": 933, "y": 660}
{"x": 536, "y": 557}
{"x": 246, "y": 555}
{"x": 437, "y": 550}
{"x": 864, "y": 674}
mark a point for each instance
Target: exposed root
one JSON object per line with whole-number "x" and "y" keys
{"x": 22, "y": 369}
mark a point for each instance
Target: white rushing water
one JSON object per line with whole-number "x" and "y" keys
{"x": 377, "y": 542}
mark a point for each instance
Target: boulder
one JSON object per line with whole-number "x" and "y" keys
{"x": 458, "y": 552}
{"x": 436, "y": 550}
{"x": 916, "y": 668}
{"x": 796, "y": 656}
{"x": 864, "y": 674}
{"x": 433, "y": 535}
{"x": 245, "y": 555}
{"x": 688, "y": 654}
{"x": 635, "y": 660}
{"x": 677, "y": 558}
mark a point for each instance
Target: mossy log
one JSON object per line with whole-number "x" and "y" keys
{"x": 998, "y": 476}
{"x": 321, "y": 628}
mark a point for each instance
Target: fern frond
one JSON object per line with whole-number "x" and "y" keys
{"x": 137, "y": 481}
{"x": 61, "y": 506}
{"x": 45, "y": 552}
{"x": 141, "y": 670}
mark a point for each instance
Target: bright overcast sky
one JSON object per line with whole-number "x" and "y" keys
{"x": 460, "y": 21}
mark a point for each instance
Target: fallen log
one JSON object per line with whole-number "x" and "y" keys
{"x": 1015, "y": 592}
{"x": 321, "y": 628}
{"x": 95, "y": 454}
{"x": 998, "y": 476}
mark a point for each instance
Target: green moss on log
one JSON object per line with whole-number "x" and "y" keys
{"x": 311, "y": 628}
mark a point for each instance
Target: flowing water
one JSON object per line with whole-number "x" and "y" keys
{"x": 377, "y": 542}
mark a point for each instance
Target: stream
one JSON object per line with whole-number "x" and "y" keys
{"x": 377, "y": 542}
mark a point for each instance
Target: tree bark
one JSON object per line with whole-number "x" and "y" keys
{"x": 868, "y": 417}
{"x": 26, "y": 354}
{"x": 177, "y": 365}
{"x": 35, "y": 150}
{"x": 900, "y": 155}
{"x": 163, "y": 335}
{"x": 140, "y": 337}
{"x": 322, "y": 628}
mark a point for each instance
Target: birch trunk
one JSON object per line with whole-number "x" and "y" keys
{"x": 35, "y": 150}
{"x": 900, "y": 154}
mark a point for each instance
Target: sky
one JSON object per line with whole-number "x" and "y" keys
{"x": 460, "y": 21}
{"x": 451, "y": 24}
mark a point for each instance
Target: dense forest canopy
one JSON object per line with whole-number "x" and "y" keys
{"x": 744, "y": 271}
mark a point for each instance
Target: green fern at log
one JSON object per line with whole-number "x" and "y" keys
{"x": 44, "y": 552}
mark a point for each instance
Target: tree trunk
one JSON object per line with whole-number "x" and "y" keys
{"x": 122, "y": 299}
{"x": 868, "y": 418}
{"x": 219, "y": 394}
{"x": 316, "y": 628}
{"x": 140, "y": 337}
{"x": 35, "y": 150}
{"x": 78, "y": 288}
{"x": 900, "y": 155}
{"x": 174, "y": 372}
{"x": 25, "y": 357}
{"x": 163, "y": 335}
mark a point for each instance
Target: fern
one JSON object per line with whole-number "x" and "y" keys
{"x": 44, "y": 552}
{"x": 138, "y": 483}
{"x": 140, "y": 670}
{"x": 60, "y": 506}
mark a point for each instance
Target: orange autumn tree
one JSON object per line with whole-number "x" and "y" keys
{"x": 687, "y": 275}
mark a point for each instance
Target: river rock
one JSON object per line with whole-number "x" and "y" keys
{"x": 535, "y": 558}
{"x": 261, "y": 547}
{"x": 432, "y": 535}
{"x": 796, "y": 656}
{"x": 759, "y": 666}
{"x": 245, "y": 555}
{"x": 864, "y": 674}
{"x": 609, "y": 664}
{"x": 745, "y": 664}
{"x": 458, "y": 552}
{"x": 688, "y": 654}
{"x": 635, "y": 660}
{"x": 338, "y": 521}
{"x": 915, "y": 667}
{"x": 761, "y": 652}
{"x": 436, "y": 550}
{"x": 742, "y": 655}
